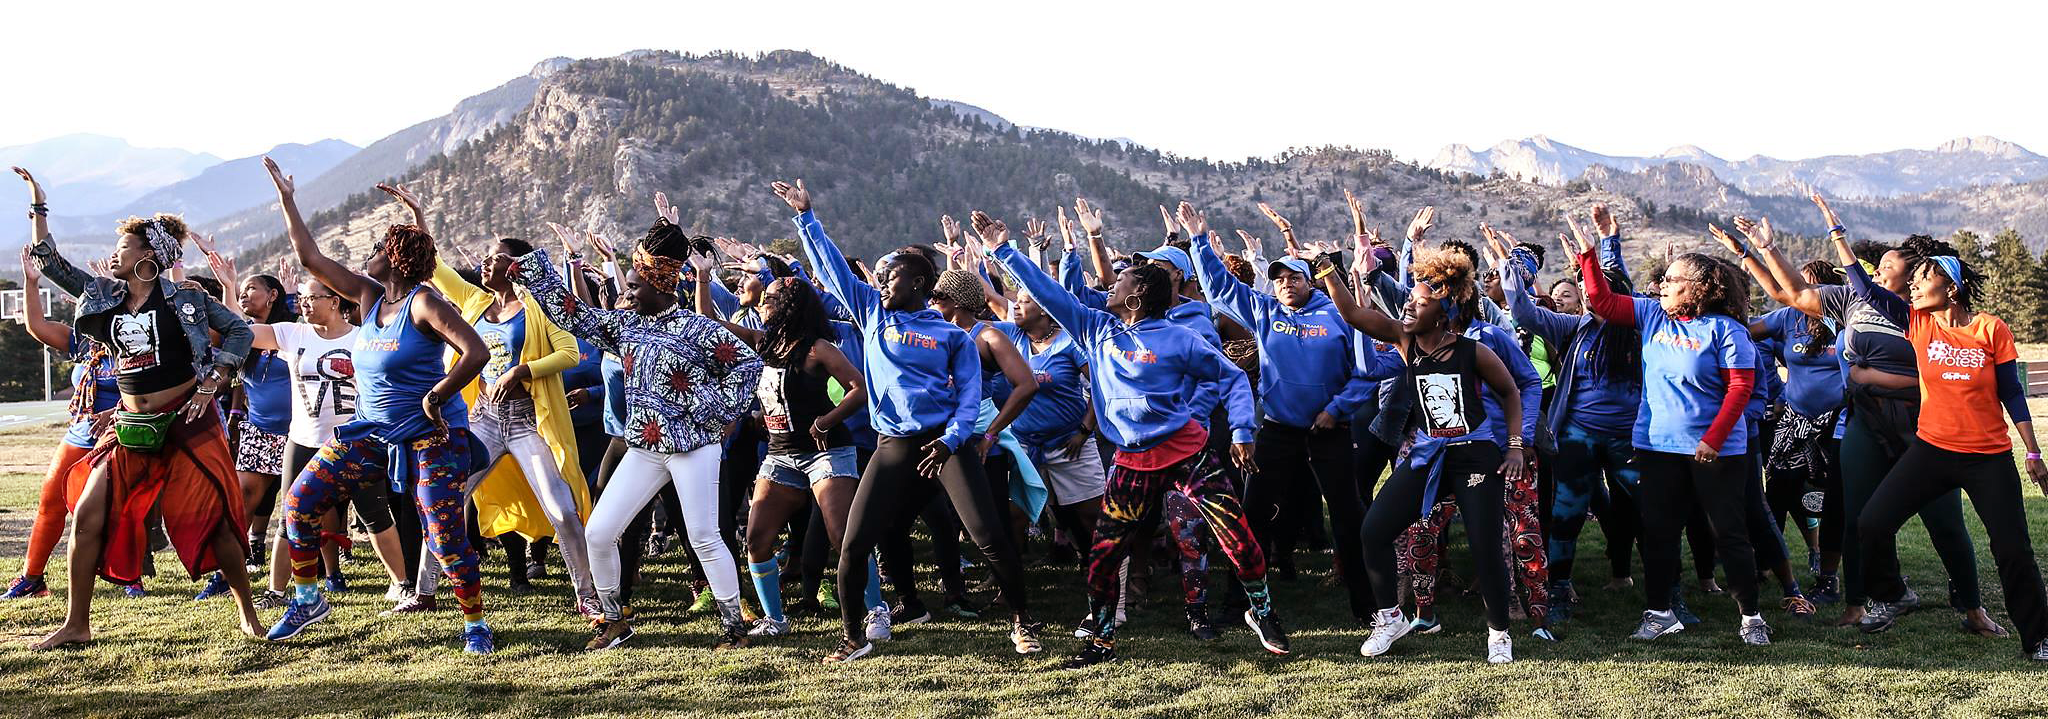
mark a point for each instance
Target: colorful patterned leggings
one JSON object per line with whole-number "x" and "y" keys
{"x": 1423, "y": 553}
{"x": 341, "y": 469}
{"x": 1133, "y": 498}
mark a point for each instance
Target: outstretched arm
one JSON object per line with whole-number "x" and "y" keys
{"x": 51, "y": 333}
{"x": 62, "y": 273}
{"x": 1223, "y": 290}
{"x": 599, "y": 326}
{"x": 862, "y": 300}
{"x": 342, "y": 280}
{"x": 1372, "y": 322}
{"x": 1098, "y": 255}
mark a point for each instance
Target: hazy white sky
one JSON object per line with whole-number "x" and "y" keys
{"x": 1226, "y": 80}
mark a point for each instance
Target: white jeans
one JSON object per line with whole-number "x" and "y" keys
{"x": 638, "y": 477}
{"x": 508, "y": 430}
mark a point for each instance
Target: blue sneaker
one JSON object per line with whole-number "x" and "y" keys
{"x": 135, "y": 591}
{"x": 216, "y": 585}
{"x": 1678, "y": 607}
{"x": 478, "y": 640}
{"x": 337, "y": 583}
{"x": 297, "y": 617}
{"x": 1424, "y": 626}
{"x": 26, "y": 587}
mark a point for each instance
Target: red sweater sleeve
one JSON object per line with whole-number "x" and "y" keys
{"x": 1732, "y": 405}
{"x": 1610, "y": 306}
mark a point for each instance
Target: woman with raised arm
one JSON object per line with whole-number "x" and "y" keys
{"x": 322, "y": 393}
{"x": 1692, "y": 445}
{"x": 1599, "y": 382}
{"x": 167, "y": 448}
{"x": 924, "y": 392}
{"x": 1883, "y": 404}
{"x": 686, "y": 380}
{"x": 410, "y": 420}
{"x": 1452, "y": 448}
{"x": 93, "y": 399}
{"x": 1142, "y": 366}
{"x": 1311, "y": 381}
{"x": 1058, "y": 428}
{"x": 1968, "y": 370}
{"x": 521, "y": 413}
{"x": 810, "y": 449}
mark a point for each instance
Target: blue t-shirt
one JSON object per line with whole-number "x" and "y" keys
{"x": 1682, "y": 382}
{"x": 1054, "y": 413}
{"x": 504, "y": 340}
{"x": 105, "y": 394}
{"x": 614, "y": 396}
{"x": 267, "y": 384}
{"x": 1813, "y": 384}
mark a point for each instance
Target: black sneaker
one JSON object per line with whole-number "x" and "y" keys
{"x": 519, "y": 585}
{"x": 1879, "y": 616}
{"x": 909, "y": 614}
{"x": 1088, "y": 628}
{"x": 259, "y": 556}
{"x": 1827, "y": 589}
{"x": 1093, "y": 652}
{"x": 963, "y": 608}
{"x": 1199, "y": 625}
{"x": 734, "y": 637}
{"x": 1267, "y": 628}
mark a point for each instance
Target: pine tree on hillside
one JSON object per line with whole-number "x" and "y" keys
{"x": 1968, "y": 246}
{"x": 2015, "y": 286}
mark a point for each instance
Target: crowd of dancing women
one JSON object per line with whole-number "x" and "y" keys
{"x": 1035, "y": 385}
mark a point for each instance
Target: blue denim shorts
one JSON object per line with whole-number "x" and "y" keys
{"x": 800, "y": 471}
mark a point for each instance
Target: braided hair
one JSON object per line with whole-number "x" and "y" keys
{"x": 1155, "y": 289}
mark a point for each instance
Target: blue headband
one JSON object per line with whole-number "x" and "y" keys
{"x": 1527, "y": 259}
{"x": 1952, "y": 266}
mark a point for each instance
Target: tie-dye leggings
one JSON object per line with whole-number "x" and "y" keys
{"x": 1134, "y": 498}
{"x": 341, "y": 469}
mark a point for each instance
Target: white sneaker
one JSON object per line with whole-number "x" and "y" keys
{"x": 878, "y": 624}
{"x": 766, "y": 627}
{"x": 396, "y": 592}
{"x": 1387, "y": 626}
{"x": 1500, "y": 646}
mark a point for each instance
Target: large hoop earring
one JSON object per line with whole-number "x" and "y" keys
{"x": 152, "y": 278}
{"x": 1131, "y": 308}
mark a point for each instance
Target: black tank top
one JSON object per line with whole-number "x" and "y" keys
{"x": 149, "y": 347}
{"x": 791, "y": 400}
{"x": 1444, "y": 389}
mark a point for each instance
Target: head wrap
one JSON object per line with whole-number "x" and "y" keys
{"x": 1951, "y": 267}
{"x": 1526, "y": 261}
{"x": 167, "y": 249}
{"x": 961, "y": 288}
{"x": 661, "y": 273}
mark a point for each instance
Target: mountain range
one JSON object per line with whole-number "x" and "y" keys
{"x": 587, "y": 142}
{"x": 1956, "y": 164}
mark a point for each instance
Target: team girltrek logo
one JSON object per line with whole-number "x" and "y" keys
{"x": 1948, "y": 355}
{"x": 912, "y": 339}
{"x": 1690, "y": 344}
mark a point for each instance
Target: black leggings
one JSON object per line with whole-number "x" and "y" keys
{"x": 1470, "y": 472}
{"x": 1672, "y": 484}
{"x": 1289, "y": 459}
{"x": 1926, "y": 472}
{"x": 891, "y": 492}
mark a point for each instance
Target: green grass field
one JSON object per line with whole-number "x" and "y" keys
{"x": 168, "y": 656}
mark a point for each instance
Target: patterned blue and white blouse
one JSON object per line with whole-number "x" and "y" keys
{"x": 687, "y": 377}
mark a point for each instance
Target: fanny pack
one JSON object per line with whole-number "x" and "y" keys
{"x": 143, "y": 431}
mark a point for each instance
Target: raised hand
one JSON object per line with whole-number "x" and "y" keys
{"x": 1604, "y": 220}
{"x": 1274, "y": 216}
{"x": 28, "y": 266}
{"x": 1066, "y": 228}
{"x": 956, "y": 254}
{"x": 399, "y": 193}
{"x": 35, "y": 189}
{"x": 203, "y": 242}
{"x": 570, "y": 243}
{"x": 1034, "y": 233}
{"x": 287, "y": 273}
{"x": 285, "y": 186}
{"x": 1826, "y": 212}
{"x": 1252, "y": 245}
{"x": 1758, "y": 232}
{"x": 1167, "y": 219}
{"x": 224, "y": 270}
{"x": 993, "y": 232}
{"x": 1357, "y": 212}
{"x": 1728, "y": 242}
{"x": 1425, "y": 218}
{"x": 951, "y": 228}
{"x": 797, "y": 197}
{"x": 1493, "y": 240}
{"x": 705, "y": 265}
{"x": 1090, "y": 217}
{"x": 1582, "y": 243}
{"x": 1572, "y": 248}
{"x": 600, "y": 245}
{"x": 98, "y": 267}
{"x": 1196, "y": 223}
{"x": 666, "y": 211}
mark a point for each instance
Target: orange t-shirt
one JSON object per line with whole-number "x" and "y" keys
{"x": 1959, "y": 407}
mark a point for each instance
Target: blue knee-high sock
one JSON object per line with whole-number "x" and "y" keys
{"x": 768, "y": 587}
{"x": 873, "y": 597}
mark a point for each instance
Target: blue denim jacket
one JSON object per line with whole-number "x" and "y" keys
{"x": 196, "y": 310}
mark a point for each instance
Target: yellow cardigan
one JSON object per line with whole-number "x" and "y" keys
{"x": 504, "y": 501}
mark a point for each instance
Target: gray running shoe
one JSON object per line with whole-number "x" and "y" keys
{"x": 1754, "y": 631}
{"x": 1656, "y": 624}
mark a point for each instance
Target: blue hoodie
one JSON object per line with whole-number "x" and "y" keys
{"x": 923, "y": 372}
{"x": 1140, "y": 371}
{"x": 1195, "y": 315}
{"x": 1503, "y": 344}
{"x": 1309, "y": 358}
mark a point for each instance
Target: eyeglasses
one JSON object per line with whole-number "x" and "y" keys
{"x": 320, "y": 297}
